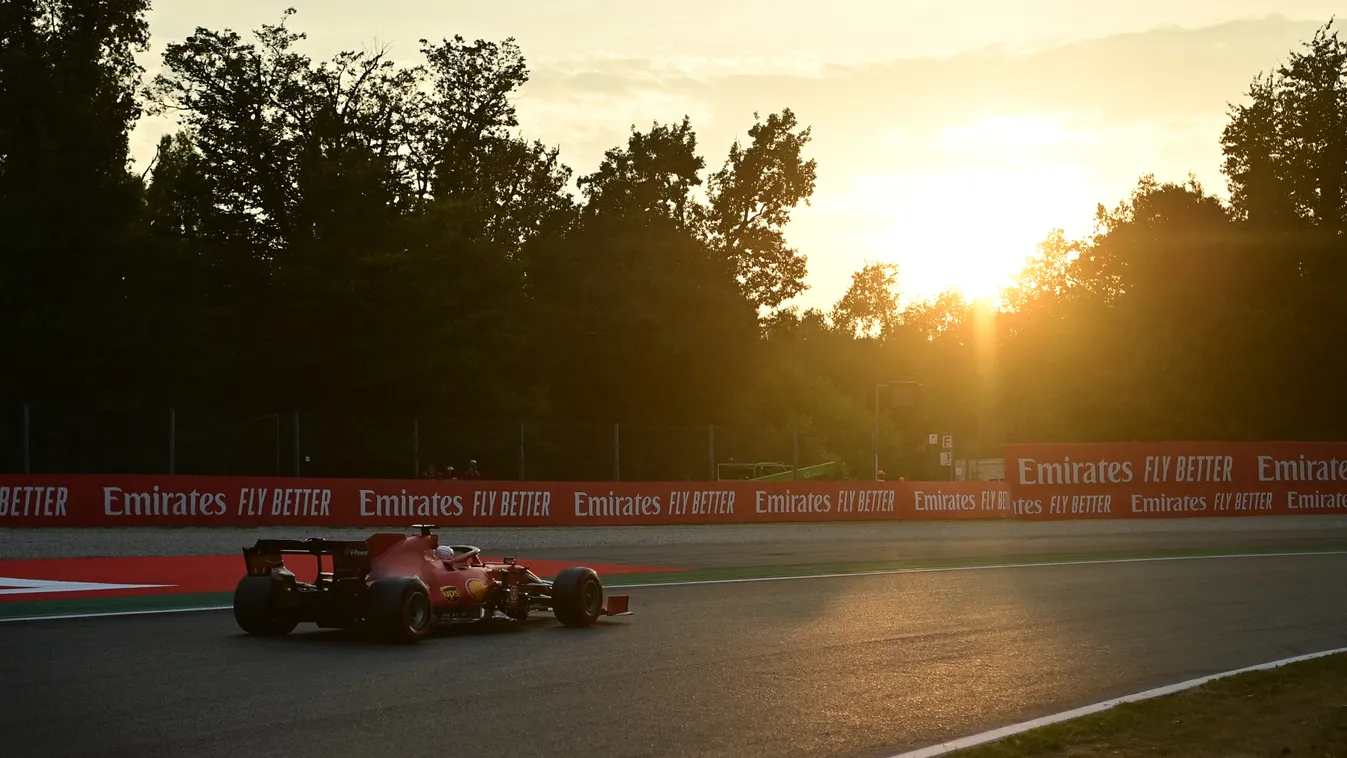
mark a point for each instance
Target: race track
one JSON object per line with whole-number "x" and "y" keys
{"x": 852, "y": 666}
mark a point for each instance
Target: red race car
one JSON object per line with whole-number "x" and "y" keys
{"x": 399, "y": 586}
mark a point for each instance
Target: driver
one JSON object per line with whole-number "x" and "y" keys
{"x": 445, "y": 553}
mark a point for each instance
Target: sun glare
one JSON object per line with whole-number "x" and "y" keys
{"x": 972, "y": 232}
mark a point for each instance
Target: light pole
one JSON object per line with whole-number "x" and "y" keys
{"x": 874, "y": 438}
{"x": 904, "y": 395}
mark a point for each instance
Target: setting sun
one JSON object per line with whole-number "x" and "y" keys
{"x": 973, "y": 231}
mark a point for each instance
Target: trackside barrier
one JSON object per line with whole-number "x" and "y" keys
{"x": 115, "y": 500}
{"x": 1176, "y": 479}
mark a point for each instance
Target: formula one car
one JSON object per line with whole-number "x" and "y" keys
{"x": 398, "y": 587}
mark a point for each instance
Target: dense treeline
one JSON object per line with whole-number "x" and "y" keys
{"x": 374, "y": 236}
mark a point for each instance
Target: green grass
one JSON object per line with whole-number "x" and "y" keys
{"x": 1295, "y": 710}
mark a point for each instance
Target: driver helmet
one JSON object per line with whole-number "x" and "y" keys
{"x": 444, "y": 552}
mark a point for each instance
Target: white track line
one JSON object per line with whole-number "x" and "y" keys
{"x": 945, "y": 748}
{"x": 842, "y": 575}
{"x": 987, "y": 567}
{"x": 64, "y": 616}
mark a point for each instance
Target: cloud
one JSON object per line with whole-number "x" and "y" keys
{"x": 1164, "y": 73}
{"x": 1094, "y": 114}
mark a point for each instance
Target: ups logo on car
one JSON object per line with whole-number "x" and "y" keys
{"x": 450, "y": 593}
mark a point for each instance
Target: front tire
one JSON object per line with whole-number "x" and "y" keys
{"x": 400, "y": 609}
{"x": 256, "y": 611}
{"x": 577, "y": 597}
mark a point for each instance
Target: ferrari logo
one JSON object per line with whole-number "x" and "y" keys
{"x": 450, "y": 594}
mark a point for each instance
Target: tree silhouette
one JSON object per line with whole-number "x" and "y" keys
{"x": 869, "y": 307}
{"x": 751, "y": 198}
{"x": 69, "y": 208}
{"x": 364, "y": 235}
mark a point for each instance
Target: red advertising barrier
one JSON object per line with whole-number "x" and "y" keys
{"x": 97, "y": 500}
{"x": 1176, "y": 479}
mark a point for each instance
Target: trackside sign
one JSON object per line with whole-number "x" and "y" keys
{"x": 1177, "y": 480}
{"x": 96, "y": 500}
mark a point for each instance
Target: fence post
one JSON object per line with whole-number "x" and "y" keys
{"x": 297, "y": 469}
{"x": 711, "y": 450}
{"x": 795, "y": 460}
{"x": 277, "y": 418}
{"x": 521, "y": 451}
{"x": 27, "y": 440}
{"x": 416, "y": 447}
{"x": 172, "y": 440}
{"x": 617, "y": 454}
{"x": 874, "y": 439}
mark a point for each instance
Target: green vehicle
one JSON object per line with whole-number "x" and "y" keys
{"x": 775, "y": 471}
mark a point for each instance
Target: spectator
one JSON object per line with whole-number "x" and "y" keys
{"x": 472, "y": 472}
{"x": 429, "y": 472}
{"x": 449, "y": 473}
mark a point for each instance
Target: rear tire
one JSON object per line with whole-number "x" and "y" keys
{"x": 400, "y": 609}
{"x": 256, "y": 608}
{"x": 577, "y": 597}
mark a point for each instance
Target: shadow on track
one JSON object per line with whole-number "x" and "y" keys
{"x": 316, "y": 638}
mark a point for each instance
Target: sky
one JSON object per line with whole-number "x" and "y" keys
{"x": 951, "y": 135}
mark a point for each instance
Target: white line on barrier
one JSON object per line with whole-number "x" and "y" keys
{"x": 945, "y": 748}
{"x": 787, "y": 578}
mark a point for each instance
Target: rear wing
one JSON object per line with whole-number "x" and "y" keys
{"x": 349, "y": 557}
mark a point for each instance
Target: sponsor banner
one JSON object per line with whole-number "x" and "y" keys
{"x": 98, "y": 500}
{"x": 962, "y": 500}
{"x": 1176, "y": 479}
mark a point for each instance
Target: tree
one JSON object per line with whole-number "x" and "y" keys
{"x": 1046, "y": 282}
{"x": 639, "y": 320}
{"x": 67, "y": 102}
{"x": 334, "y": 204}
{"x": 1258, "y": 163}
{"x": 751, "y": 198}
{"x": 654, "y": 176}
{"x": 939, "y": 317}
{"x": 869, "y": 307}
{"x": 1286, "y": 163}
{"x": 281, "y": 138}
{"x": 1286, "y": 150}
{"x": 464, "y": 147}
{"x": 1159, "y": 242}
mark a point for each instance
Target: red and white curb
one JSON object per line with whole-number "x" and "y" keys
{"x": 945, "y": 748}
{"x": 16, "y": 586}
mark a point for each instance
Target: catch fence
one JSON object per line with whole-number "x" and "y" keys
{"x": 63, "y": 439}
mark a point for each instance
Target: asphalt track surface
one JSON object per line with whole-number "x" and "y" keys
{"x": 851, "y": 666}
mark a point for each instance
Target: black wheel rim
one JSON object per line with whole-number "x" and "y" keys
{"x": 418, "y": 611}
{"x": 593, "y": 598}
